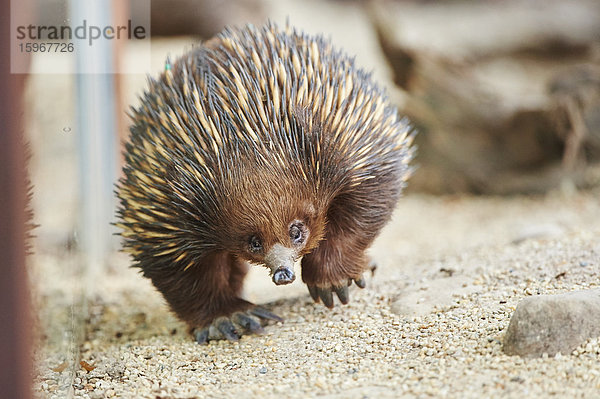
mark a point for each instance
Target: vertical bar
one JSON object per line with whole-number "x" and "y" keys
{"x": 96, "y": 126}
{"x": 121, "y": 13}
{"x": 15, "y": 355}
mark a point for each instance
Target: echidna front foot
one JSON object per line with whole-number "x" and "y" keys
{"x": 325, "y": 294}
{"x": 332, "y": 268}
{"x": 232, "y": 327}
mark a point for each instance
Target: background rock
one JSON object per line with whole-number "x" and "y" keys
{"x": 479, "y": 81}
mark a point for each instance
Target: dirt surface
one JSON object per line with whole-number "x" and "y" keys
{"x": 431, "y": 321}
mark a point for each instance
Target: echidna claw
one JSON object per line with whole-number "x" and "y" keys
{"x": 226, "y": 327}
{"x": 265, "y": 314}
{"x": 342, "y": 293}
{"x": 248, "y": 323}
{"x": 372, "y": 267}
{"x": 312, "y": 290}
{"x": 360, "y": 282}
{"x": 201, "y": 336}
{"x": 326, "y": 296}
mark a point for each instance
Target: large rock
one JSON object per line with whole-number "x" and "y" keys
{"x": 502, "y": 111}
{"x": 553, "y": 323}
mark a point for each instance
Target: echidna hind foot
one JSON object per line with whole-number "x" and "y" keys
{"x": 232, "y": 327}
{"x": 208, "y": 298}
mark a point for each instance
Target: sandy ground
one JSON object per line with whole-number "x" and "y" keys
{"x": 430, "y": 323}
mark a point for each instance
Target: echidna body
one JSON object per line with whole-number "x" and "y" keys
{"x": 263, "y": 146}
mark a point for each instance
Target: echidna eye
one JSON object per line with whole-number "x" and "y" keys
{"x": 296, "y": 234}
{"x": 255, "y": 244}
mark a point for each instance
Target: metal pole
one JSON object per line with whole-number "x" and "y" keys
{"x": 96, "y": 129}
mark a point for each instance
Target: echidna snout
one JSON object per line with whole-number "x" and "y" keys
{"x": 284, "y": 275}
{"x": 281, "y": 261}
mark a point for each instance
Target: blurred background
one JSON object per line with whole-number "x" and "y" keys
{"x": 505, "y": 96}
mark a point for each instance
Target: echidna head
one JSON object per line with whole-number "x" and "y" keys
{"x": 279, "y": 239}
{"x": 282, "y": 254}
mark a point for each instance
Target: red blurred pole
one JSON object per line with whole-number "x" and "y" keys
{"x": 15, "y": 327}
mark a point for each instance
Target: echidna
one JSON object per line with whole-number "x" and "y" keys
{"x": 262, "y": 146}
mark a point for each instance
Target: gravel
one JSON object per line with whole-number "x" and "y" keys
{"x": 448, "y": 348}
